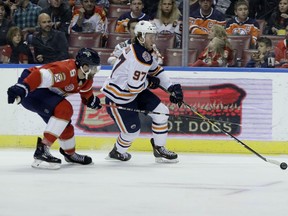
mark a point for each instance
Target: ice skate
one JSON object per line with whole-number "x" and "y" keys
{"x": 76, "y": 158}
{"x": 115, "y": 155}
{"x": 162, "y": 155}
{"x": 43, "y": 157}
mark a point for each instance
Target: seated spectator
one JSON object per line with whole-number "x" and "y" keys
{"x": 281, "y": 51}
{"x": 89, "y": 18}
{"x": 136, "y": 7}
{"x": 49, "y": 45}
{"x": 202, "y": 20}
{"x": 278, "y": 21}
{"x": 167, "y": 19}
{"x": 214, "y": 55}
{"x": 219, "y": 32}
{"x": 61, "y": 15}
{"x": 25, "y": 16}
{"x": 265, "y": 57}
{"x": 104, "y": 4}
{"x": 121, "y": 46}
{"x": 241, "y": 24}
{"x": 17, "y": 51}
{"x": 5, "y": 24}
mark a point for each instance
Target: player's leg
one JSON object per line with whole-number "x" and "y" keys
{"x": 67, "y": 147}
{"x": 129, "y": 126}
{"x": 149, "y": 101}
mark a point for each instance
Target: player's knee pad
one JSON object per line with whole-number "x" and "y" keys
{"x": 63, "y": 110}
{"x": 157, "y": 118}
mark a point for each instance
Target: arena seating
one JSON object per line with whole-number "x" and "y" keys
{"x": 116, "y": 10}
{"x": 78, "y": 39}
{"x": 173, "y": 57}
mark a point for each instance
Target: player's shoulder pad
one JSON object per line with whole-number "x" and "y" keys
{"x": 142, "y": 54}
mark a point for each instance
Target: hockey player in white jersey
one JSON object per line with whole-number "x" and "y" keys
{"x": 134, "y": 72}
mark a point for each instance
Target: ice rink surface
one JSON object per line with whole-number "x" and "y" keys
{"x": 199, "y": 185}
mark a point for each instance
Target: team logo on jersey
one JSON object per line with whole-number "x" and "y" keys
{"x": 146, "y": 56}
{"x": 59, "y": 77}
{"x": 69, "y": 87}
{"x": 73, "y": 73}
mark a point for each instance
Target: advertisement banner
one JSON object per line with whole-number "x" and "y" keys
{"x": 241, "y": 107}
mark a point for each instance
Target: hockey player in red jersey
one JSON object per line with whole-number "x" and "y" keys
{"x": 133, "y": 73}
{"x": 43, "y": 90}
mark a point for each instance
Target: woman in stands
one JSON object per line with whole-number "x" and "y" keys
{"x": 17, "y": 51}
{"x": 279, "y": 19}
{"x": 167, "y": 19}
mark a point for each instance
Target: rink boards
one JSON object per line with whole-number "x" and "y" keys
{"x": 254, "y": 100}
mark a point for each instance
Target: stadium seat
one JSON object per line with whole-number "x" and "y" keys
{"x": 77, "y": 39}
{"x": 239, "y": 43}
{"x": 116, "y": 38}
{"x": 173, "y": 57}
{"x": 73, "y": 51}
{"x": 165, "y": 41}
{"x": 111, "y": 24}
{"x": 104, "y": 54}
{"x": 116, "y": 10}
{"x": 275, "y": 38}
{"x": 198, "y": 42}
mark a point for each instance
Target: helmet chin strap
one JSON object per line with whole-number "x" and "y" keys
{"x": 85, "y": 73}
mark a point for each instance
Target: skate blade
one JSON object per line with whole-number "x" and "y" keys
{"x": 164, "y": 160}
{"x": 39, "y": 164}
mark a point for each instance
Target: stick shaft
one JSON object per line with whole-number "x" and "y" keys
{"x": 226, "y": 132}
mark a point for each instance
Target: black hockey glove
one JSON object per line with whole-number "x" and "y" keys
{"x": 153, "y": 82}
{"x": 17, "y": 91}
{"x": 176, "y": 94}
{"x": 94, "y": 102}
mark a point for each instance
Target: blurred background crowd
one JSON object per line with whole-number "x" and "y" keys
{"x": 222, "y": 33}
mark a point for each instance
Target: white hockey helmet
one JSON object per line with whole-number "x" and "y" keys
{"x": 145, "y": 27}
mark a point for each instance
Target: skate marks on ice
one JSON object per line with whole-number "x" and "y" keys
{"x": 204, "y": 185}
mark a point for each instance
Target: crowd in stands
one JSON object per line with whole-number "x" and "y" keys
{"x": 222, "y": 33}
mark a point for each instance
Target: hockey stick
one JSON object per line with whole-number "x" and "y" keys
{"x": 282, "y": 165}
{"x": 158, "y": 113}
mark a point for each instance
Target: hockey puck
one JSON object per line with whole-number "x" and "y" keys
{"x": 283, "y": 166}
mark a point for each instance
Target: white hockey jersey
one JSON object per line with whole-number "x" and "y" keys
{"x": 128, "y": 77}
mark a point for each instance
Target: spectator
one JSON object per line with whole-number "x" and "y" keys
{"x": 121, "y": 46}
{"x": 241, "y": 24}
{"x": 61, "y": 15}
{"x": 5, "y": 24}
{"x": 281, "y": 52}
{"x": 49, "y": 45}
{"x": 104, "y": 4}
{"x": 167, "y": 19}
{"x": 214, "y": 55}
{"x": 219, "y": 31}
{"x": 202, "y": 20}
{"x": 265, "y": 57}
{"x": 279, "y": 20}
{"x": 89, "y": 18}
{"x": 136, "y": 7}
{"x": 25, "y": 16}
{"x": 17, "y": 51}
